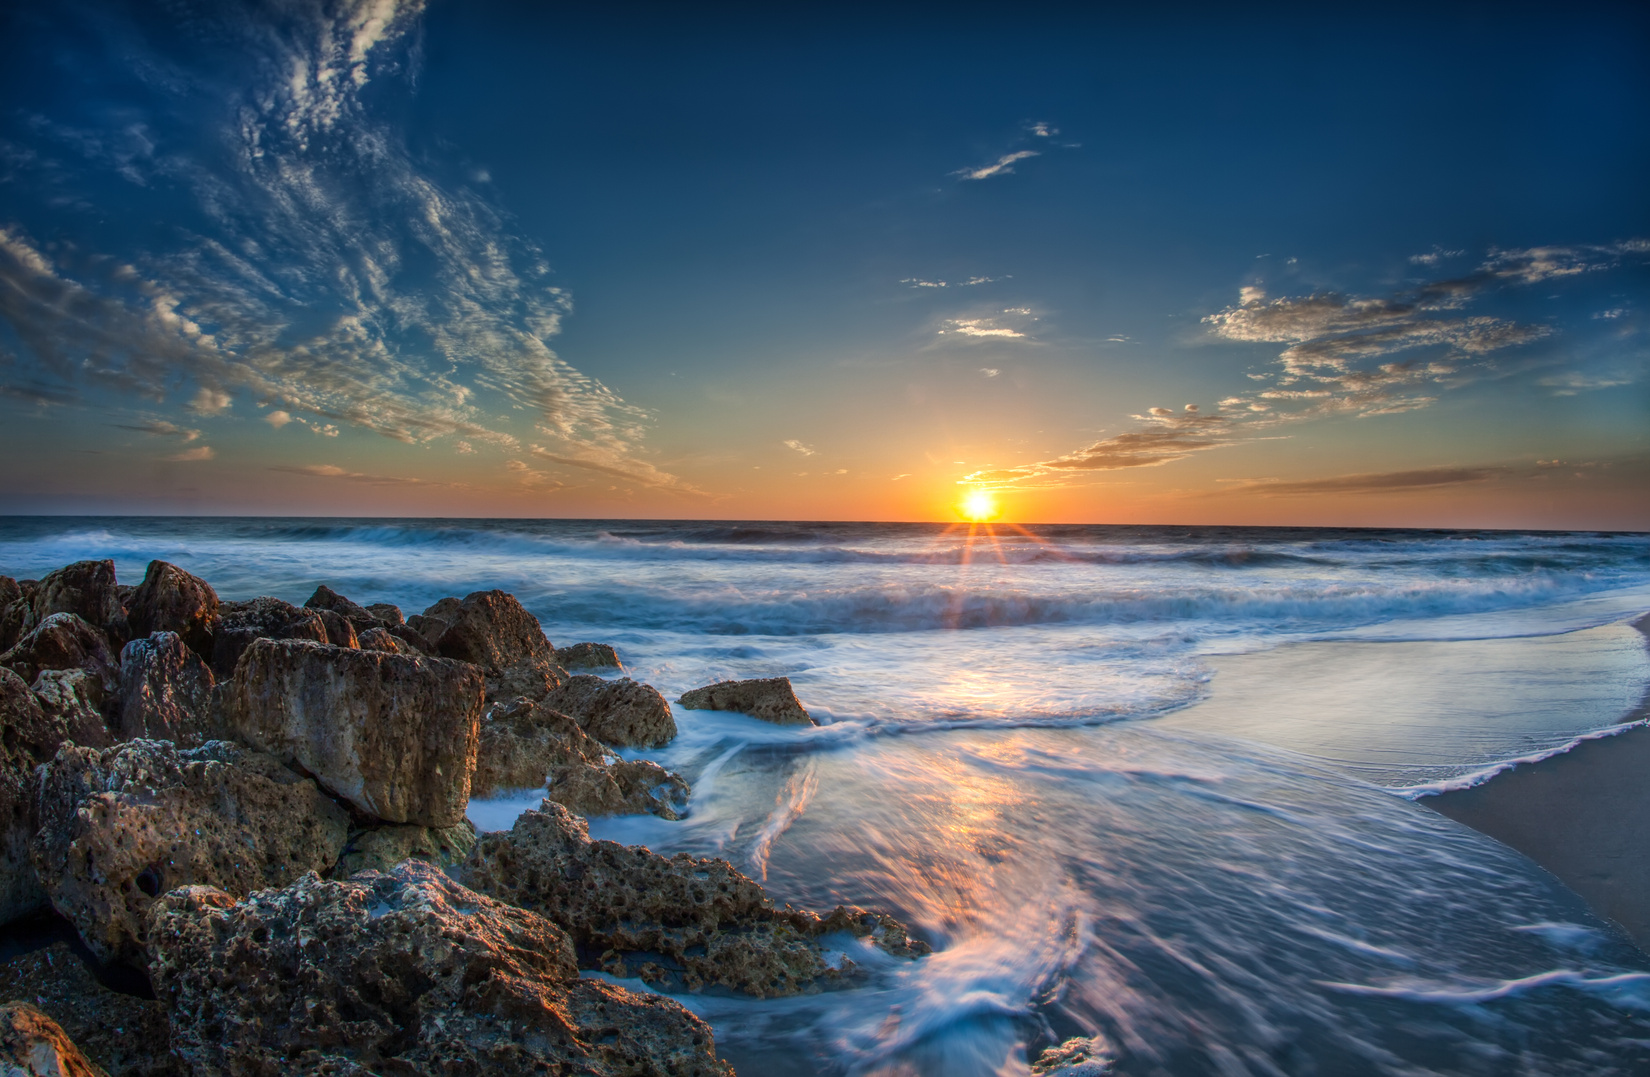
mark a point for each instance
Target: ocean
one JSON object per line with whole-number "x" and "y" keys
{"x": 1161, "y": 785}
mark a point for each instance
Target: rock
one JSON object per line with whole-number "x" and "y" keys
{"x": 261, "y": 618}
{"x": 14, "y": 613}
{"x": 165, "y": 692}
{"x": 381, "y": 848}
{"x": 379, "y": 639}
{"x": 393, "y": 734}
{"x": 434, "y": 621}
{"x": 63, "y": 641}
{"x": 74, "y": 699}
{"x": 386, "y": 614}
{"x": 494, "y": 631}
{"x": 770, "y": 699}
{"x": 340, "y": 633}
{"x": 400, "y": 972}
{"x": 87, "y": 590}
{"x": 414, "y": 640}
{"x": 172, "y": 600}
{"x": 28, "y": 737}
{"x": 622, "y": 712}
{"x": 120, "y": 826}
{"x": 713, "y": 924}
{"x": 126, "y": 1035}
{"x": 325, "y": 598}
{"x": 1077, "y": 1057}
{"x": 32, "y": 1045}
{"x": 588, "y": 656}
{"x": 522, "y": 748}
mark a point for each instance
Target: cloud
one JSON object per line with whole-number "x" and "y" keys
{"x": 1164, "y": 438}
{"x": 1434, "y": 256}
{"x": 792, "y": 443}
{"x": 1003, "y": 166}
{"x": 1012, "y": 323}
{"x": 1370, "y": 483}
{"x": 333, "y": 471}
{"x": 278, "y": 419}
{"x": 1042, "y": 130}
{"x": 313, "y": 263}
{"x": 162, "y": 428}
{"x": 204, "y": 452}
{"x": 918, "y": 282}
{"x": 990, "y": 371}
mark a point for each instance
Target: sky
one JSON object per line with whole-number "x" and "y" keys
{"x": 1376, "y": 266}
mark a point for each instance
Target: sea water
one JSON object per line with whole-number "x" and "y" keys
{"x": 1159, "y": 786}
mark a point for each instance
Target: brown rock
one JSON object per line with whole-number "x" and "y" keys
{"x": 770, "y": 699}
{"x": 715, "y": 925}
{"x": 393, "y": 734}
{"x": 434, "y": 621}
{"x": 380, "y": 639}
{"x": 28, "y": 737}
{"x": 172, "y": 600}
{"x": 165, "y": 692}
{"x": 340, "y": 633}
{"x": 381, "y": 848}
{"x": 63, "y": 641}
{"x": 261, "y": 618}
{"x": 588, "y": 656}
{"x": 14, "y": 613}
{"x": 494, "y": 631}
{"x": 32, "y": 1045}
{"x": 386, "y": 614}
{"x": 87, "y": 590}
{"x": 325, "y": 598}
{"x": 402, "y": 972}
{"x": 121, "y": 826}
{"x": 126, "y": 1035}
{"x": 621, "y": 787}
{"x": 74, "y": 699}
{"x": 414, "y": 640}
{"x": 1077, "y": 1057}
{"x": 623, "y": 712}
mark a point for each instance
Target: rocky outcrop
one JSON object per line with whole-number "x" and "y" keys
{"x": 32, "y": 1045}
{"x": 172, "y": 600}
{"x": 1077, "y": 1057}
{"x": 523, "y": 747}
{"x": 126, "y": 1035}
{"x": 87, "y": 590}
{"x": 27, "y": 738}
{"x": 393, "y": 734}
{"x": 622, "y": 712}
{"x": 74, "y": 700}
{"x": 401, "y": 972}
{"x": 588, "y": 656}
{"x": 63, "y": 641}
{"x": 386, "y": 614}
{"x": 494, "y": 631}
{"x": 709, "y": 923}
{"x": 381, "y": 848}
{"x": 340, "y": 633}
{"x": 414, "y": 640}
{"x": 770, "y": 699}
{"x": 325, "y": 598}
{"x": 381, "y": 639}
{"x": 434, "y": 621}
{"x": 121, "y": 826}
{"x": 14, "y": 613}
{"x": 262, "y": 618}
{"x": 165, "y": 692}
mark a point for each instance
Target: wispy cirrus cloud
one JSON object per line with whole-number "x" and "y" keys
{"x": 162, "y": 428}
{"x": 190, "y": 456}
{"x": 1001, "y": 166}
{"x": 796, "y": 446}
{"x": 1370, "y": 482}
{"x": 333, "y": 471}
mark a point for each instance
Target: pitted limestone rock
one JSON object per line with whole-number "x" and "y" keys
{"x": 381, "y": 848}
{"x": 120, "y": 826}
{"x": 86, "y": 589}
{"x": 63, "y": 641}
{"x": 165, "y": 692}
{"x": 32, "y": 1045}
{"x": 401, "y": 972}
{"x": 393, "y": 734}
{"x": 74, "y": 699}
{"x": 28, "y": 737}
{"x": 494, "y": 631}
{"x": 126, "y": 1035}
{"x": 241, "y": 623}
{"x": 711, "y": 923}
{"x": 172, "y": 600}
{"x": 770, "y": 698}
{"x": 622, "y": 712}
{"x": 588, "y": 656}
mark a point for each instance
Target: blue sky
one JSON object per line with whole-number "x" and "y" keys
{"x": 1384, "y": 265}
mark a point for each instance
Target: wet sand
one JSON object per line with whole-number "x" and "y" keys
{"x": 1583, "y": 815}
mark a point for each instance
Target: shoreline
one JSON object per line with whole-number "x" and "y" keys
{"x": 1583, "y": 814}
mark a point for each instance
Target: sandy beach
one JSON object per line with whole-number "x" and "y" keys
{"x": 1584, "y": 815}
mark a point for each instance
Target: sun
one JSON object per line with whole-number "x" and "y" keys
{"x": 979, "y": 506}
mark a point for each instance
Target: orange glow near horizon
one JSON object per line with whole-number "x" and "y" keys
{"x": 979, "y": 506}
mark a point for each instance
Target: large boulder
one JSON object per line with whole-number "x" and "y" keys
{"x": 382, "y": 639}
{"x": 629, "y": 904}
{"x": 622, "y": 712}
{"x": 126, "y": 1035}
{"x": 381, "y": 848}
{"x": 386, "y": 613}
{"x": 770, "y": 699}
{"x": 325, "y": 598}
{"x": 588, "y": 656}
{"x": 121, "y": 826}
{"x": 14, "y": 613}
{"x": 393, "y": 734}
{"x": 494, "y": 631}
{"x": 63, "y": 641}
{"x": 402, "y": 972}
{"x": 28, "y": 737}
{"x": 74, "y": 699}
{"x": 165, "y": 692}
{"x": 32, "y": 1045}
{"x": 172, "y": 600}
{"x": 260, "y": 618}
{"x": 522, "y": 747}
{"x": 86, "y": 589}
